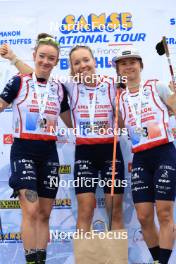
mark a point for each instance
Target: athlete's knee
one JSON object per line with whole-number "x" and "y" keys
{"x": 86, "y": 212}
{"x": 86, "y": 205}
{"x": 30, "y": 213}
{"x": 165, "y": 216}
{"x": 117, "y": 212}
{"x": 43, "y": 216}
{"x": 145, "y": 219}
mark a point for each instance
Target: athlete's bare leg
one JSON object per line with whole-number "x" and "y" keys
{"x": 117, "y": 213}
{"x": 86, "y": 205}
{"x": 29, "y": 204}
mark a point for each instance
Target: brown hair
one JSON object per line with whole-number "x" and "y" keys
{"x": 43, "y": 35}
{"x": 77, "y": 47}
{"x": 46, "y": 39}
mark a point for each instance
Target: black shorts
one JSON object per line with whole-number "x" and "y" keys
{"x": 33, "y": 164}
{"x": 154, "y": 174}
{"x": 92, "y": 159}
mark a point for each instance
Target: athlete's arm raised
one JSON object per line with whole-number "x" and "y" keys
{"x": 7, "y": 53}
{"x": 167, "y": 96}
{"x": 171, "y": 102}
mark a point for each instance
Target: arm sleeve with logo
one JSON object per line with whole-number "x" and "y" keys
{"x": 11, "y": 89}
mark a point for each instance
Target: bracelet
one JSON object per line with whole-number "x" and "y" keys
{"x": 14, "y": 60}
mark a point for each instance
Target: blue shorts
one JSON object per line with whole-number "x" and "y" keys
{"x": 90, "y": 161}
{"x": 154, "y": 174}
{"x": 33, "y": 163}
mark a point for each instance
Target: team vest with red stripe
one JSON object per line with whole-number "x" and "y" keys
{"x": 154, "y": 119}
{"x": 101, "y": 131}
{"x": 27, "y": 122}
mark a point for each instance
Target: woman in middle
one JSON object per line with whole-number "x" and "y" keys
{"x": 92, "y": 101}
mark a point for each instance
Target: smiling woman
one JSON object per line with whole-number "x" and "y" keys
{"x": 93, "y": 105}
{"x": 94, "y": 149}
{"x": 45, "y": 59}
{"x": 82, "y": 64}
{"x": 144, "y": 109}
{"x": 37, "y": 100}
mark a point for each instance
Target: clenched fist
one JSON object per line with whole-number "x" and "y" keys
{"x": 6, "y": 52}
